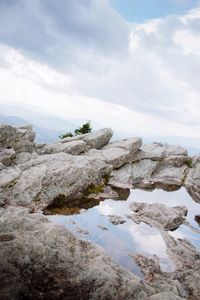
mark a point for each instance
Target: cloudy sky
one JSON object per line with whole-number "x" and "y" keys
{"x": 133, "y": 65}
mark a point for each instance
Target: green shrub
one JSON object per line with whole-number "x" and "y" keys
{"x": 65, "y": 135}
{"x": 189, "y": 163}
{"x": 86, "y": 128}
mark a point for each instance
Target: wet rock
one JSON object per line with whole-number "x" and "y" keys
{"x": 197, "y": 219}
{"x": 158, "y": 215}
{"x": 45, "y": 261}
{"x": 103, "y": 227}
{"x": 116, "y": 220}
{"x": 81, "y": 230}
{"x": 107, "y": 193}
{"x": 162, "y": 282}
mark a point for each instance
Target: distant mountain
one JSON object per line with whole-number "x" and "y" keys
{"x": 43, "y": 134}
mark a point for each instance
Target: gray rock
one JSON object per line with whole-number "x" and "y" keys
{"x": 7, "y": 156}
{"x": 116, "y": 220}
{"x": 43, "y": 260}
{"x": 192, "y": 181}
{"x": 96, "y": 139}
{"x": 158, "y": 215}
{"x": 21, "y": 139}
{"x": 132, "y": 144}
{"x": 73, "y": 147}
{"x": 99, "y": 138}
{"x": 55, "y": 177}
{"x": 158, "y": 151}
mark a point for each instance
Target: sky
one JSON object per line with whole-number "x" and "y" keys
{"x": 130, "y": 65}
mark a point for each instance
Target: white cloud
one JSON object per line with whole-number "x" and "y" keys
{"x": 76, "y": 59}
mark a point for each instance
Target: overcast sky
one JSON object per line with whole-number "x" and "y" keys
{"x": 132, "y": 65}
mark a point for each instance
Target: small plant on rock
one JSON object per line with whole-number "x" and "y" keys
{"x": 86, "y": 128}
{"x": 65, "y": 135}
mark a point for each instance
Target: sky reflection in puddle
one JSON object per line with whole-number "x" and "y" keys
{"x": 119, "y": 241}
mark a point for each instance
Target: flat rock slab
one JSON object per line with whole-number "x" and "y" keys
{"x": 158, "y": 215}
{"x": 73, "y": 147}
{"x": 158, "y": 151}
{"x": 96, "y": 139}
{"x": 61, "y": 177}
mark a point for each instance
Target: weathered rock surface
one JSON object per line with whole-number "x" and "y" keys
{"x": 159, "y": 151}
{"x": 21, "y": 139}
{"x": 150, "y": 174}
{"x": 7, "y": 156}
{"x": 41, "y": 260}
{"x": 116, "y": 220}
{"x": 118, "y": 154}
{"x": 192, "y": 181}
{"x": 158, "y": 215}
{"x": 96, "y": 139}
{"x": 184, "y": 282}
{"x": 73, "y": 147}
{"x": 54, "y": 177}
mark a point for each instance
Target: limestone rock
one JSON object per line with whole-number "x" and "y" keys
{"x": 117, "y": 154}
{"x": 45, "y": 261}
{"x": 55, "y": 177}
{"x": 21, "y": 139}
{"x": 96, "y": 139}
{"x": 7, "y": 156}
{"x": 158, "y": 151}
{"x": 73, "y": 147}
{"x": 116, "y": 220}
{"x": 192, "y": 181}
{"x": 158, "y": 215}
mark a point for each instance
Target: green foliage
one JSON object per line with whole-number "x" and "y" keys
{"x": 65, "y": 135}
{"x": 86, "y": 128}
{"x": 95, "y": 189}
{"x": 189, "y": 163}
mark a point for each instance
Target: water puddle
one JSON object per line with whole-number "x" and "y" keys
{"x": 90, "y": 221}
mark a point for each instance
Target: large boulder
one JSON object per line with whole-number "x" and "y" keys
{"x": 192, "y": 180}
{"x": 158, "y": 215}
{"x": 94, "y": 140}
{"x": 21, "y": 139}
{"x": 158, "y": 151}
{"x": 7, "y": 156}
{"x": 118, "y": 154}
{"x": 55, "y": 177}
{"x": 42, "y": 260}
{"x": 74, "y": 147}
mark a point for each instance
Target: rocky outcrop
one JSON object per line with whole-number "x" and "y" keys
{"x": 95, "y": 140}
{"x": 48, "y": 178}
{"x": 21, "y": 139}
{"x": 42, "y": 260}
{"x": 158, "y": 215}
{"x": 192, "y": 181}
